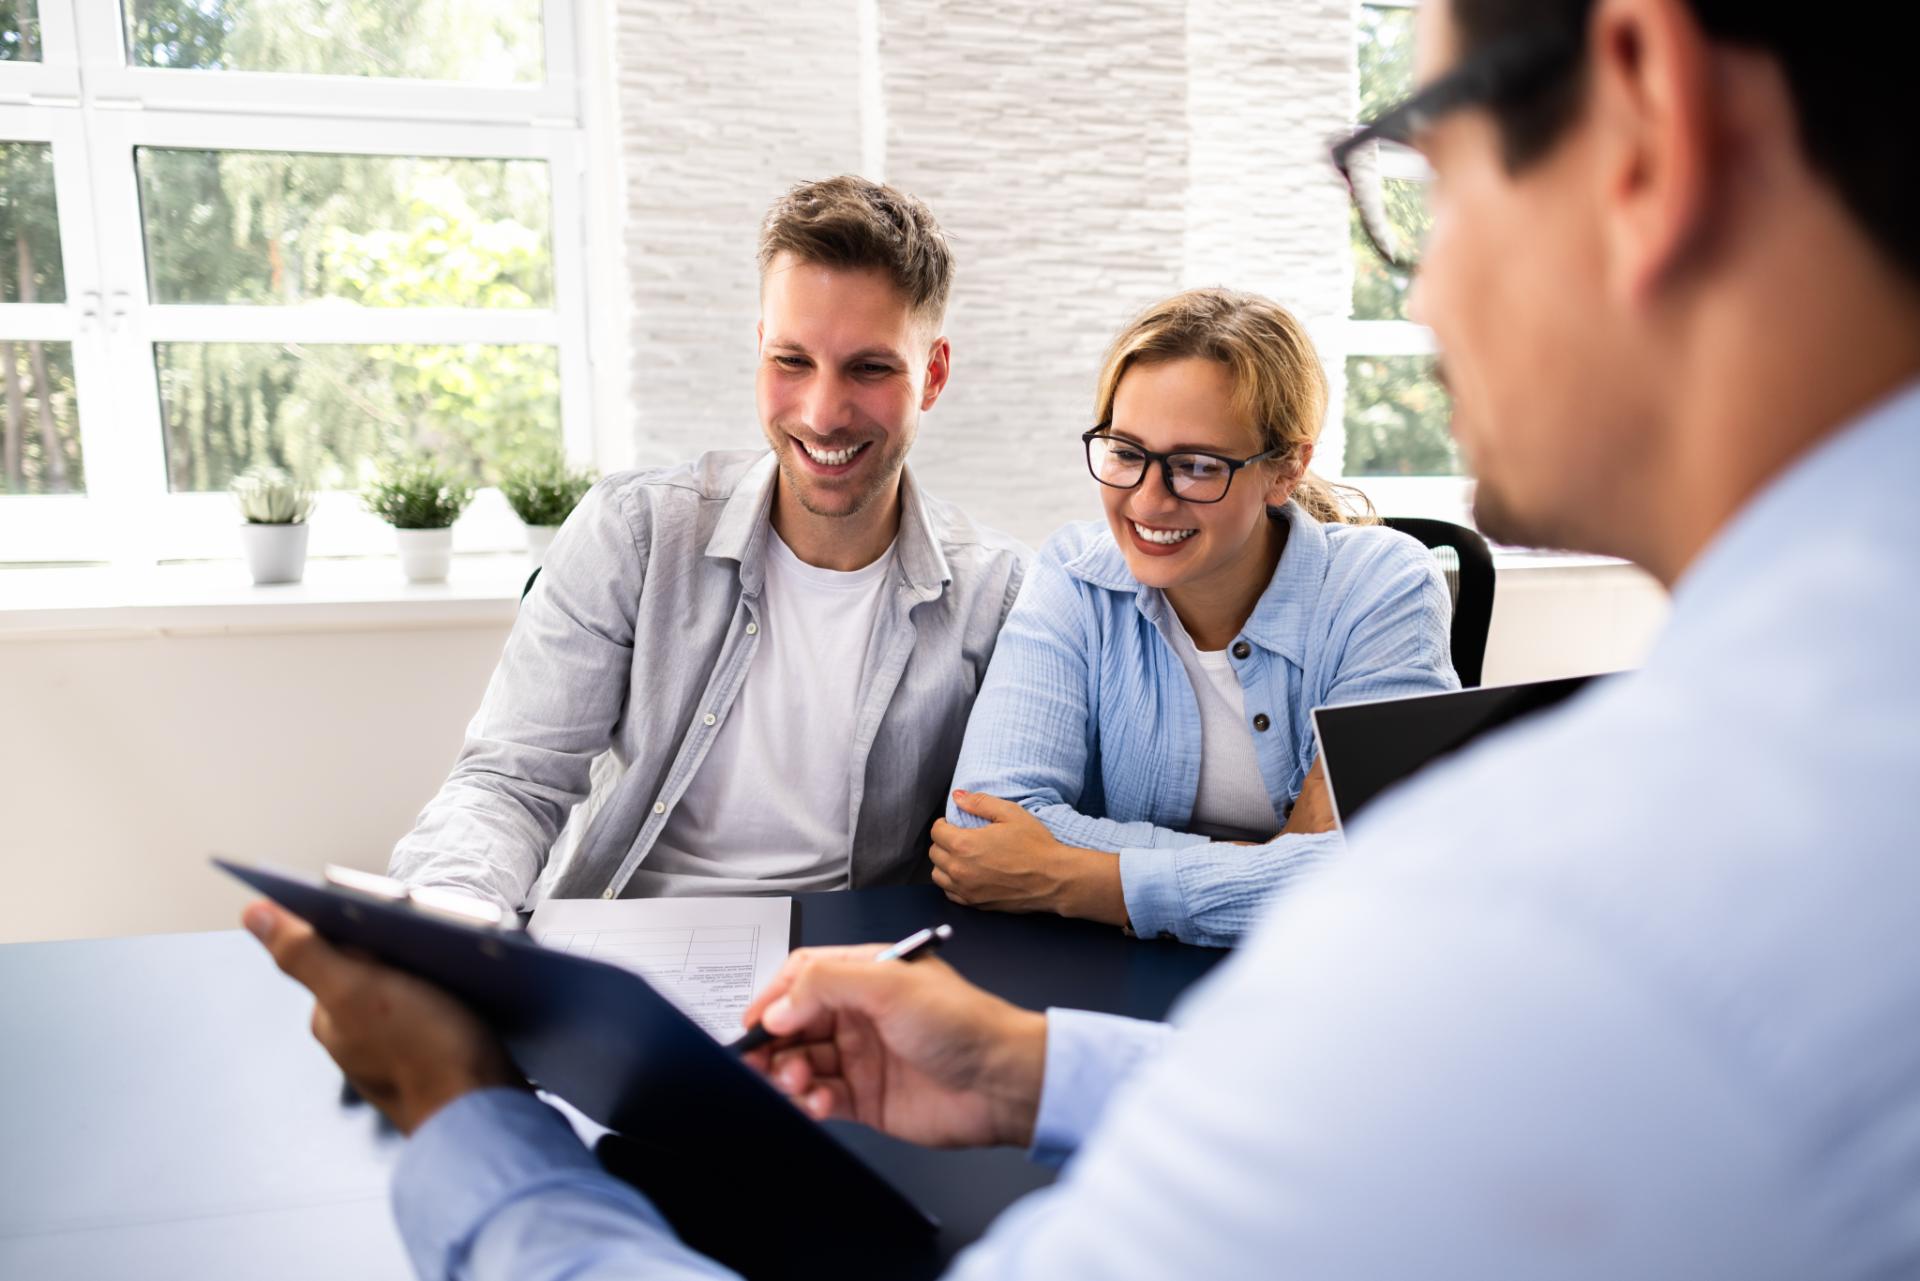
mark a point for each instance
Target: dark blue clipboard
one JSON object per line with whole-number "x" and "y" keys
{"x": 604, "y": 1040}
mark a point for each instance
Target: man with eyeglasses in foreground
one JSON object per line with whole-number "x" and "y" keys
{"x": 1628, "y": 992}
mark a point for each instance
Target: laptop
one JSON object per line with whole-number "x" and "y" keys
{"x": 1370, "y": 747}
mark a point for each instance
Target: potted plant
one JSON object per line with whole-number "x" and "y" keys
{"x": 274, "y": 508}
{"x": 542, "y": 491}
{"x": 421, "y": 500}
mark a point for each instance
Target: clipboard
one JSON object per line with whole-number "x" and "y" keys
{"x": 726, "y": 1158}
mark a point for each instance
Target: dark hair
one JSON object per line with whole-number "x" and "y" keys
{"x": 1847, "y": 69}
{"x": 851, "y": 222}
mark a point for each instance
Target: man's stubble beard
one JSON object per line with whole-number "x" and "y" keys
{"x": 886, "y": 479}
{"x": 1497, "y": 522}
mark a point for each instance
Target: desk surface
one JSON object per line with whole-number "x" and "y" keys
{"x": 167, "y": 1113}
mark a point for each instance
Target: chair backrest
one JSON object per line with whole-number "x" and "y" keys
{"x": 1467, "y": 566}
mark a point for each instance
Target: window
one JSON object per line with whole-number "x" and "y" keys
{"x": 1396, "y": 443}
{"x": 313, "y": 233}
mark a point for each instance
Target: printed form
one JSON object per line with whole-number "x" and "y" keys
{"x": 706, "y": 955}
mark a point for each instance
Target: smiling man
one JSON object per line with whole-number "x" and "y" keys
{"x": 779, "y": 648}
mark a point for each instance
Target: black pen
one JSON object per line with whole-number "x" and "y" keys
{"x": 911, "y": 948}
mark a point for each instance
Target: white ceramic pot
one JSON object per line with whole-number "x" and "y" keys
{"x": 425, "y": 554}
{"x": 275, "y": 553}
{"x": 539, "y": 538}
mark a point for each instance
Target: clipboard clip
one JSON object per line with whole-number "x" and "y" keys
{"x": 450, "y": 905}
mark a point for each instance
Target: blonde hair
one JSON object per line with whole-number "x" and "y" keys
{"x": 1277, "y": 379}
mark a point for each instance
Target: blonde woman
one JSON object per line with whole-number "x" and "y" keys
{"x": 1141, "y": 749}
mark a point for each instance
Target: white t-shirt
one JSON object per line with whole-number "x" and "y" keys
{"x": 1233, "y": 801}
{"x": 792, "y": 721}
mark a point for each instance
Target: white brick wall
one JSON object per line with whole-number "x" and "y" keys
{"x": 1086, "y": 159}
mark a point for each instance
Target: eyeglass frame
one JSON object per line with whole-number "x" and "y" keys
{"x": 1165, "y": 460}
{"x": 1503, "y": 72}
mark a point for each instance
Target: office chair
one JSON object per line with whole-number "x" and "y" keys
{"x": 1467, "y": 566}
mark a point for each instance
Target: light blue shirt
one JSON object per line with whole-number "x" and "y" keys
{"x": 1089, "y": 719}
{"x": 1632, "y": 991}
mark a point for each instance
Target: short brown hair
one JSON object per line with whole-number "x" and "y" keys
{"x": 850, "y": 222}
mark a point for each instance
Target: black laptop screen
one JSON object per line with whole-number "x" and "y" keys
{"x": 1369, "y": 747}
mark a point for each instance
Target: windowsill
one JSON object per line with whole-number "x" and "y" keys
{"x": 1511, "y": 559}
{"x": 217, "y": 596}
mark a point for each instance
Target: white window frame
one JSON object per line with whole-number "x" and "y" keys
{"x": 62, "y": 527}
{"x": 127, "y": 516}
{"x": 1441, "y": 497}
{"x": 56, "y": 77}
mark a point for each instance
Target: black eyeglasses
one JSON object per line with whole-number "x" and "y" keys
{"x": 1504, "y": 72}
{"x": 1191, "y": 476}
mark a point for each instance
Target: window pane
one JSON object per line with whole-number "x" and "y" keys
{"x": 1380, "y": 292}
{"x": 476, "y": 42}
{"x": 30, "y": 267}
{"x": 1397, "y": 417}
{"x": 19, "y": 31}
{"x": 1386, "y": 58}
{"x": 269, "y": 227}
{"x": 40, "y": 423}
{"x": 327, "y": 411}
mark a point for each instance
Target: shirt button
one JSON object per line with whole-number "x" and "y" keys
{"x": 1261, "y": 722}
{"x": 607, "y": 893}
{"x": 660, "y": 807}
{"x": 711, "y": 718}
{"x": 1241, "y": 649}
{"x": 753, "y": 629}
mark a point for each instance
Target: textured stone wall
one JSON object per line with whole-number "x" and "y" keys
{"x": 722, "y": 104}
{"x": 1086, "y": 159}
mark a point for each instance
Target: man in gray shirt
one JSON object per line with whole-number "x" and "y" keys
{"x": 775, "y": 651}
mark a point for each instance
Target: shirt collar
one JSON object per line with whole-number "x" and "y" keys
{"x": 1861, "y": 462}
{"x": 744, "y": 526}
{"x": 1279, "y": 623}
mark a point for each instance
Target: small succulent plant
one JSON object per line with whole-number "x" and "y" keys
{"x": 417, "y": 493}
{"x": 268, "y": 496}
{"x": 545, "y": 490}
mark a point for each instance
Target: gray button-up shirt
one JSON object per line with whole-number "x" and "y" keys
{"x": 635, "y": 641}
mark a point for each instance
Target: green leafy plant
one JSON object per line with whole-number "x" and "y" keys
{"x": 544, "y": 490}
{"x": 268, "y": 496}
{"x": 417, "y": 493}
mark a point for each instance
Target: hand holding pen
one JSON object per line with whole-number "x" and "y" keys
{"x": 913, "y": 1050}
{"x": 911, "y": 948}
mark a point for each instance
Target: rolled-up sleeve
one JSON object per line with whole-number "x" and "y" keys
{"x": 1212, "y": 893}
{"x": 551, "y": 707}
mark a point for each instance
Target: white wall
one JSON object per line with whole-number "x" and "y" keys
{"x": 126, "y": 759}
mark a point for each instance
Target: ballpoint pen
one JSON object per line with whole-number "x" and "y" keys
{"x": 911, "y": 948}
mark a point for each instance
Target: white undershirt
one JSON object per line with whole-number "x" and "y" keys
{"x": 769, "y": 811}
{"x": 1233, "y": 800}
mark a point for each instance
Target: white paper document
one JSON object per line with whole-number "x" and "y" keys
{"x": 706, "y": 955}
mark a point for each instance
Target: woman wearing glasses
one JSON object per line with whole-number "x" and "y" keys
{"x": 1140, "y": 752}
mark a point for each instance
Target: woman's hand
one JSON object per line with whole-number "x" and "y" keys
{"x": 1313, "y": 808}
{"x": 1014, "y": 864}
{"x": 914, "y": 1050}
